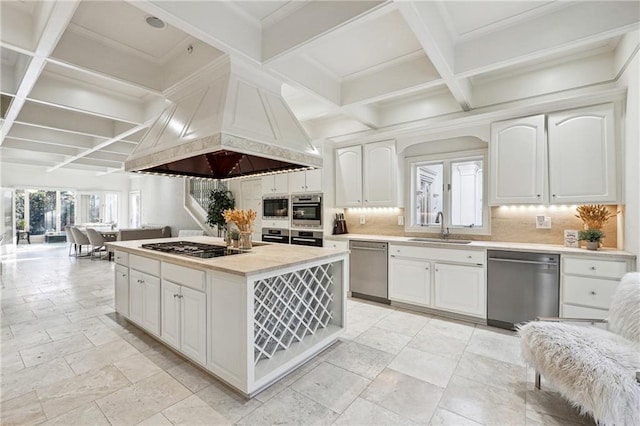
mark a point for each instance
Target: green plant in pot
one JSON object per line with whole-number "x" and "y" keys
{"x": 234, "y": 234}
{"x": 592, "y": 237}
{"x": 220, "y": 199}
{"x": 22, "y": 224}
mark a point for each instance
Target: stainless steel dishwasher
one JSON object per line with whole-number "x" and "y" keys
{"x": 368, "y": 270}
{"x": 521, "y": 286}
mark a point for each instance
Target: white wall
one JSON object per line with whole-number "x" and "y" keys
{"x": 631, "y": 80}
{"x": 162, "y": 200}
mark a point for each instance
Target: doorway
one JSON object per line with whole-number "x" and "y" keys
{"x": 135, "y": 208}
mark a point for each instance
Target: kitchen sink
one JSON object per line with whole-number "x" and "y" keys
{"x": 439, "y": 240}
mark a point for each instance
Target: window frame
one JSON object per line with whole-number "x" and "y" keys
{"x": 446, "y": 159}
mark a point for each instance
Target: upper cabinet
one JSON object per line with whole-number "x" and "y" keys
{"x": 275, "y": 184}
{"x": 305, "y": 181}
{"x": 582, "y": 156}
{"x": 575, "y": 162}
{"x": 518, "y": 155}
{"x": 366, "y": 175}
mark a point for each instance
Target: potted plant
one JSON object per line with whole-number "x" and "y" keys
{"x": 22, "y": 224}
{"x": 592, "y": 237}
{"x": 220, "y": 199}
{"x": 234, "y": 234}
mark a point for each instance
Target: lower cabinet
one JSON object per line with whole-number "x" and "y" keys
{"x": 461, "y": 289}
{"x": 122, "y": 290}
{"x": 184, "y": 318}
{"x": 144, "y": 300}
{"x": 410, "y": 280}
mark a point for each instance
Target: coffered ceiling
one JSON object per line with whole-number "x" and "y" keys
{"x": 82, "y": 80}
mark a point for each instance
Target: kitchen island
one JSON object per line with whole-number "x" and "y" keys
{"x": 248, "y": 318}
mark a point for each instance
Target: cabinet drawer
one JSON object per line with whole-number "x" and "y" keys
{"x": 593, "y": 292}
{"x": 339, "y": 245}
{"x": 121, "y": 257}
{"x": 476, "y": 257}
{"x": 144, "y": 264}
{"x": 595, "y": 267}
{"x": 571, "y": 311}
{"x": 188, "y": 277}
{"x": 123, "y": 271}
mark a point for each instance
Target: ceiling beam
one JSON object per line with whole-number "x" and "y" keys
{"x": 427, "y": 23}
{"x": 53, "y": 28}
{"x": 102, "y": 145}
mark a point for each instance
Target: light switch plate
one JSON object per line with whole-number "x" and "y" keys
{"x": 362, "y": 220}
{"x": 400, "y": 220}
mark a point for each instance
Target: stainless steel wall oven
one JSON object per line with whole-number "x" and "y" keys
{"x": 275, "y": 207}
{"x": 306, "y": 211}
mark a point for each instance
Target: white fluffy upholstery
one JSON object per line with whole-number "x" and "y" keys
{"x": 593, "y": 368}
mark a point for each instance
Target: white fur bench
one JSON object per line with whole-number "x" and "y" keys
{"x": 594, "y": 369}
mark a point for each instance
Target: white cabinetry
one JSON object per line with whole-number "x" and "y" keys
{"x": 518, "y": 155}
{"x": 588, "y": 284}
{"x": 461, "y": 289}
{"x": 574, "y": 163}
{"x": 444, "y": 279}
{"x": 410, "y": 280}
{"x": 305, "y": 181}
{"x": 380, "y": 174}
{"x": 368, "y": 180}
{"x": 122, "y": 290}
{"x": 144, "y": 300}
{"x": 582, "y": 155}
{"x": 184, "y": 320}
{"x": 349, "y": 176}
{"x": 275, "y": 184}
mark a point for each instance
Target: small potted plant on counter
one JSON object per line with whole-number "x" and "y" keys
{"x": 235, "y": 237}
{"x": 592, "y": 237}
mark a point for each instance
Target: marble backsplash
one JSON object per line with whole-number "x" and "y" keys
{"x": 510, "y": 224}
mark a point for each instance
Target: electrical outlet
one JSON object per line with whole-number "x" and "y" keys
{"x": 400, "y": 220}
{"x": 543, "y": 222}
{"x": 362, "y": 220}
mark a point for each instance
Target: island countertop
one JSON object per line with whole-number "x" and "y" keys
{"x": 266, "y": 257}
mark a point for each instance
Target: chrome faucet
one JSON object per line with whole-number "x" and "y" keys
{"x": 440, "y": 219}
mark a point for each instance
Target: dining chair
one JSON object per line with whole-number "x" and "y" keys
{"x": 80, "y": 239}
{"x": 71, "y": 240}
{"x": 97, "y": 242}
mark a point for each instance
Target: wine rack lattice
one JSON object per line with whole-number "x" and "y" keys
{"x": 289, "y": 307}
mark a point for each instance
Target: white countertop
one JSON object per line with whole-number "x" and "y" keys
{"x": 260, "y": 259}
{"x": 483, "y": 245}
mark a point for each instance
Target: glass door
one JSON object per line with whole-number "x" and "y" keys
{"x": 134, "y": 209}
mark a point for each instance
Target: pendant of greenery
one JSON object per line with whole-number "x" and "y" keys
{"x": 220, "y": 199}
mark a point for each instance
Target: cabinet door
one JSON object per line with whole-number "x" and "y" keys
{"x": 349, "y": 176}
{"x": 460, "y": 289}
{"x": 151, "y": 303}
{"x": 281, "y": 183}
{"x": 380, "y": 174}
{"x": 582, "y": 156}
{"x": 135, "y": 296}
{"x": 170, "y": 300}
{"x": 193, "y": 341}
{"x": 122, "y": 290}
{"x": 518, "y": 173}
{"x": 268, "y": 185}
{"x": 410, "y": 281}
{"x": 313, "y": 180}
{"x": 297, "y": 182}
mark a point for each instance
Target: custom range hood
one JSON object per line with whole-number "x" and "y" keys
{"x": 227, "y": 121}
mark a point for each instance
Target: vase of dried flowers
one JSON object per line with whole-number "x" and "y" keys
{"x": 594, "y": 217}
{"x": 243, "y": 219}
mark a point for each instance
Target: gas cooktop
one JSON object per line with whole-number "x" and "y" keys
{"x": 188, "y": 248}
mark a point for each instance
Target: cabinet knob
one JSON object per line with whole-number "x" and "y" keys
{"x": 175, "y": 295}
{"x": 469, "y": 257}
{"x": 426, "y": 269}
{"x": 593, "y": 293}
{"x": 140, "y": 281}
{"x": 124, "y": 275}
{"x": 358, "y": 200}
{"x": 593, "y": 268}
{"x": 538, "y": 195}
{"x": 554, "y": 195}
{"x": 180, "y": 296}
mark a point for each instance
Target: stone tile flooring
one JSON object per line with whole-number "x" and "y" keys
{"x": 67, "y": 359}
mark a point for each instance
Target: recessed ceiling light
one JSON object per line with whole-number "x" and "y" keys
{"x": 156, "y": 23}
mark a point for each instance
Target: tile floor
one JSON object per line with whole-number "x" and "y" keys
{"x": 68, "y": 359}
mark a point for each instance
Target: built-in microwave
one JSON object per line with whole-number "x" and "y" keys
{"x": 306, "y": 211}
{"x": 275, "y": 207}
